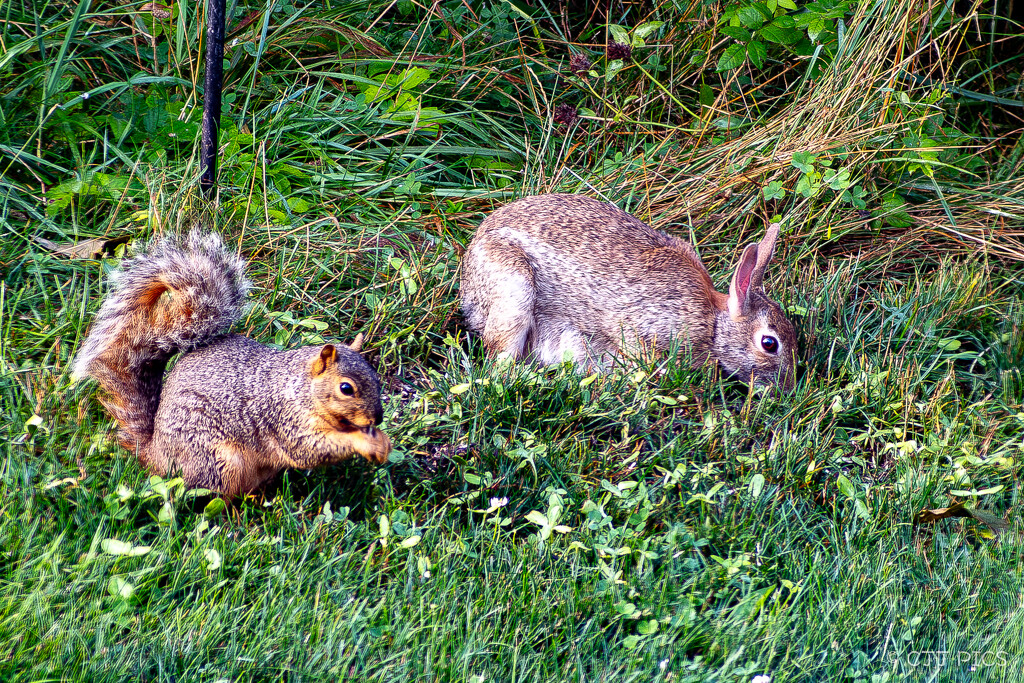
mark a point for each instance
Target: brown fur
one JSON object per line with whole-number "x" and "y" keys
{"x": 551, "y": 276}
{"x": 232, "y": 413}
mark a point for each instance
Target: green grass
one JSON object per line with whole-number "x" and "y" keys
{"x": 656, "y": 523}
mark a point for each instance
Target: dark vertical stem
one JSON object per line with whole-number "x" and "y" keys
{"x": 211, "y": 93}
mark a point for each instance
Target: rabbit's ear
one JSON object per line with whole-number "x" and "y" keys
{"x": 765, "y": 249}
{"x": 742, "y": 282}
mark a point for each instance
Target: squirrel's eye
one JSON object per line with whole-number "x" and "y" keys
{"x": 346, "y": 389}
{"x": 769, "y": 344}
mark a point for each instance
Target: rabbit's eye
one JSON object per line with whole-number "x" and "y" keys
{"x": 769, "y": 344}
{"x": 346, "y": 389}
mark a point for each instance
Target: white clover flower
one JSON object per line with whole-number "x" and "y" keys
{"x": 761, "y": 678}
{"x": 663, "y": 664}
{"x": 496, "y": 503}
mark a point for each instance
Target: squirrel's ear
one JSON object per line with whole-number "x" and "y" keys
{"x": 357, "y": 343}
{"x": 326, "y": 359}
{"x": 742, "y": 280}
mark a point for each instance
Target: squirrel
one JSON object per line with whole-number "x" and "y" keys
{"x": 232, "y": 413}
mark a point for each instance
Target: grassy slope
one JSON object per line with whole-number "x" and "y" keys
{"x": 709, "y": 533}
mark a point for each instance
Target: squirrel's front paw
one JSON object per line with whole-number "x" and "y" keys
{"x": 378, "y": 446}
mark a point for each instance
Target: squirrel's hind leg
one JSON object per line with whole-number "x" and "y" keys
{"x": 498, "y": 295}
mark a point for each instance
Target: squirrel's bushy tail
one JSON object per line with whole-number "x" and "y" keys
{"x": 176, "y": 295}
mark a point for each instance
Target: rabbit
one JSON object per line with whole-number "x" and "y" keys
{"x": 557, "y": 274}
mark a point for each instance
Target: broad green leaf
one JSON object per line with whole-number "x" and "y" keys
{"x": 214, "y": 507}
{"x": 614, "y": 67}
{"x": 647, "y": 28}
{"x": 410, "y": 542}
{"x": 756, "y": 485}
{"x": 773, "y": 190}
{"x": 757, "y": 53}
{"x": 619, "y": 33}
{"x": 815, "y": 28}
{"x": 804, "y": 161}
{"x": 648, "y": 627}
{"x": 119, "y": 587}
{"x": 538, "y": 518}
{"x": 738, "y": 32}
{"x": 893, "y": 212}
{"x": 112, "y": 546}
{"x": 846, "y": 487}
{"x": 779, "y": 34}
{"x": 707, "y": 95}
{"x": 732, "y": 57}
{"x": 751, "y": 17}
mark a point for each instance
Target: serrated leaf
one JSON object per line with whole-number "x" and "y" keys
{"x": 787, "y": 4}
{"x": 757, "y": 53}
{"x": 731, "y": 58}
{"x": 384, "y": 525}
{"x": 949, "y": 344}
{"x": 894, "y": 213}
{"x": 460, "y": 388}
{"x": 587, "y": 381}
{"x": 738, "y": 32}
{"x": 751, "y": 17}
{"x": 410, "y": 542}
{"x": 667, "y": 400}
{"x": 779, "y": 34}
{"x": 815, "y": 28}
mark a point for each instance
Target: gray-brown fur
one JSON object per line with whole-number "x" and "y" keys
{"x": 557, "y": 273}
{"x": 232, "y": 413}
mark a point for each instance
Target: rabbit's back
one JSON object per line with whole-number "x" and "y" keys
{"x": 556, "y": 273}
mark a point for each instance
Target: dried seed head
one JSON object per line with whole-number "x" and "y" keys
{"x": 566, "y": 115}
{"x": 619, "y": 51}
{"x": 579, "y": 64}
